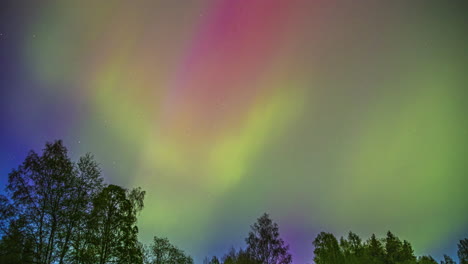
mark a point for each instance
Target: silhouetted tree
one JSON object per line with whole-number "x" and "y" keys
{"x": 7, "y": 212}
{"x": 40, "y": 190}
{"x": 230, "y": 257}
{"x": 407, "y": 253}
{"x": 213, "y": 260}
{"x": 447, "y": 260}
{"x": 87, "y": 184}
{"x": 327, "y": 250}
{"x": 393, "y": 248}
{"x": 244, "y": 258}
{"x": 58, "y": 211}
{"x": 112, "y": 225}
{"x": 264, "y": 243}
{"x": 426, "y": 260}
{"x": 352, "y": 249}
{"x": 15, "y": 247}
{"x": 239, "y": 257}
{"x": 49, "y": 197}
{"x": 463, "y": 251}
{"x": 375, "y": 250}
{"x": 163, "y": 252}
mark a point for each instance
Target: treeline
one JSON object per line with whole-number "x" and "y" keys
{"x": 388, "y": 250}
{"x": 264, "y": 246}
{"x": 58, "y": 211}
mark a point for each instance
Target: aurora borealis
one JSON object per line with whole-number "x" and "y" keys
{"x": 329, "y": 115}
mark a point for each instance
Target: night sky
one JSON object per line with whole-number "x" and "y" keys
{"x": 329, "y": 115}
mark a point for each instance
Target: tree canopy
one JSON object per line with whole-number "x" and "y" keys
{"x": 56, "y": 210}
{"x": 264, "y": 243}
{"x": 387, "y": 250}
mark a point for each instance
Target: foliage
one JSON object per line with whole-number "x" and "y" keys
{"x": 463, "y": 251}
{"x": 327, "y": 250}
{"x": 59, "y": 211}
{"x": 239, "y": 257}
{"x": 163, "y": 252}
{"x": 264, "y": 243}
{"x": 112, "y": 224}
{"x": 213, "y": 260}
{"x": 388, "y": 250}
{"x": 426, "y": 260}
{"x": 447, "y": 260}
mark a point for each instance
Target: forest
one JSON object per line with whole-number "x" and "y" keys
{"x": 55, "y": 210}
